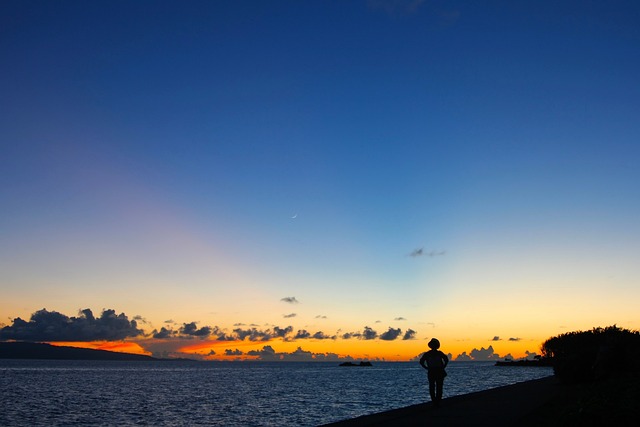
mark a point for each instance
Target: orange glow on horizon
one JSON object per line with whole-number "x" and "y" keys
{"x": 115, "y": 346}
{"x": 396, "y": 351}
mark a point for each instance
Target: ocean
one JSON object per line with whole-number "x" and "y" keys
{"x": 110, "y": 393}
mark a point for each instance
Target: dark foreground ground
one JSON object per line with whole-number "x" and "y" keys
{"x": 542, "y": 402}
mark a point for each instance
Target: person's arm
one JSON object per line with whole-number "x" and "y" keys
{"x": 423, "y": 360}
{"x": 445, "y": 359}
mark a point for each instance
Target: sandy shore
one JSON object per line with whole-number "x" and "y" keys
{"x": 502, "y": 406}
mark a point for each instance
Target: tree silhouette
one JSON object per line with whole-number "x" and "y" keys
{"x": 595, "y": 354}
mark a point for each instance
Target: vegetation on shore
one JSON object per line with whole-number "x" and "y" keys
{"x": 591, "y": 355}
{"x": 599, "y": 375}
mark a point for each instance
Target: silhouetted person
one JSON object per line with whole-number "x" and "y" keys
{"x": 434, "y": 361}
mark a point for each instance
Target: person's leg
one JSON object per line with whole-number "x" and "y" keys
{"x": 432, "y": 389}
{"x": 439, "y": 387}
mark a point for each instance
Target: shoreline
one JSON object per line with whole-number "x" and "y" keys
{"x": 500, "y": 406}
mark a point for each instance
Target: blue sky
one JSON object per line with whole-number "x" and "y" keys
{"x": 163, "y": 148}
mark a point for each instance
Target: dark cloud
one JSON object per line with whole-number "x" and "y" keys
{"x": 421, "y": 252}
{"x": 290, "y": 300}
{"x": 409, "y": 335}
{"x": 267, "y": 353}
{"x": 331, "y": 357}
{"x": 299, "y": 355}
{"x": 463, "y": 357}
{"x": 531, "y": 354}
{"x": 319, "y": 316}
{"x": 229, "y": 352}
{"x": 222, "y": 335}
{"x": 53, "y": 326}
{"x": 289, "y": 316}
{"x": 302, "y": 334}
{"x": 484, "y": 354}
{"x": 140, "y": 319}
{"x": 416, "y": 252}
{"x": 322, "y": 336}
{"x": 391, "y": 334}
{"x": 369, "y": 334}
{"x": 282, "y": 333}
{"x": 399, "y": 318}
{"x": 515, "y": 339}
{"x": 164, "y": 333}
{"x": 254, "y": 334}
{"x": 190, "y": 329}
{"x": 496, "y": 338}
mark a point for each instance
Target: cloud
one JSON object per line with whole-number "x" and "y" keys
{"x": 399, "y": 318}
{"x": 531, "y": 354}
{"x": 190, "y": 329}
{"x": 391, "y": 334}
{"x": 322, "y": 336}
{"x": 254, "y": 334}
{"x": 350, "y": 335}
{"x": 289, "y": 316}
{"x": 320, "y": 316}
{"x": 302, "y": 334}
{"x": 409, "y": 335}
{"x": 140, "y": 319}
{"x": 496, "y": 338}
{"x": 484, "y": 354}
{"x": 416, "y": 252}
{"x": 290, "y": 300}
{"x": 163, "y": 334}
{"x": 515, "y": 339}
{"x": 229, "y": 352}
{"x": 369, "y": 334}
{"x": 420, "y": 252}
{"x": 53, "y": 326}
{"x": 222, "y": 335}
{"x": 463, "y": 357}
{"x": 282, "y": 332}
{"x": 267, "y": 353}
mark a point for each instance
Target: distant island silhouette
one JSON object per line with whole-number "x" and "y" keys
{"x": 32, "y": 350}
{"x": 355, "y": 364}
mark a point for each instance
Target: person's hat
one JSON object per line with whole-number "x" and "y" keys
{"x": 434, "y": 344}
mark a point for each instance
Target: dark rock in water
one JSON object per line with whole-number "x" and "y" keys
{"x": 356, "y": 364}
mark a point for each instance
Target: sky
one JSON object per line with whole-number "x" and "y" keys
{"x": 322, "y": 180}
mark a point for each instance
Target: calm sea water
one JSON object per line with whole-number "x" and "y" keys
{"x": 74, "y": 393}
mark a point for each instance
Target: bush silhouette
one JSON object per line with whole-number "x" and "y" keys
{"x": 595, "y": 354}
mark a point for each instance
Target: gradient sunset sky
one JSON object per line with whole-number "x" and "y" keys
{"x": 371, "y": 174}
